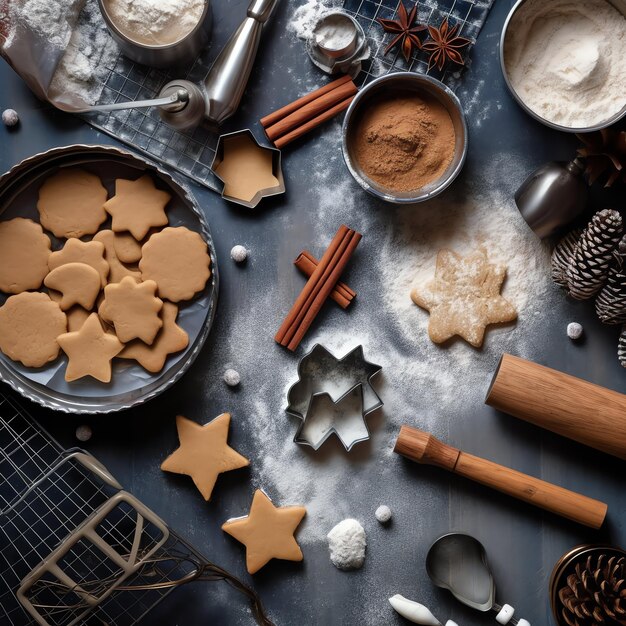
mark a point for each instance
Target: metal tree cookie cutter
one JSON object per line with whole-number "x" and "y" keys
{"x": 333, "y": 396}
{"x": 350, "y": 52}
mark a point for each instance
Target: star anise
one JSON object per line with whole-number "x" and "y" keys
{"x": 444, "y": 45}
{"x": 405, "y": 30}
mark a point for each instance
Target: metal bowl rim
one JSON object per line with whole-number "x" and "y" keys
{"x": 566, "y": 129}
{"x": 148, "y": 47}
{"x": 417, "y": 78}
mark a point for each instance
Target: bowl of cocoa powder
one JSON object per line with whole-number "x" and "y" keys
{"x": 405, "y": 137}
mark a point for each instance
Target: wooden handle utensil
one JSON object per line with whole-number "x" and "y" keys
{"x": 422, "y": 447}
{"x": 564, "y": 404}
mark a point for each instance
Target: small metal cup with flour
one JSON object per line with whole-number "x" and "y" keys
{"x": 338, "y": 44}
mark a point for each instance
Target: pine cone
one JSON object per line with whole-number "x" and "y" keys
{"x": 587, "y": 272}
{"x": 562, "y": 256}
{"x": 611, "y": 302}
{"x": 604, "y": 153}
{"x": 595, "y": 594}
{"x": 621, "y": 347}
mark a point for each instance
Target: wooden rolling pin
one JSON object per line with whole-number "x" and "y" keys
{"x": 424, "y": 448}
{"x": 564, "y": 404}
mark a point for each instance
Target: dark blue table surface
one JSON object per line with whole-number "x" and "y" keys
{"x": 522, "y": 543}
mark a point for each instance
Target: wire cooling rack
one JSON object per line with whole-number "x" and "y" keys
{"x": 470, "y": 14}
{"x": 189, "y": 152}
{"x": 75, "y": 548}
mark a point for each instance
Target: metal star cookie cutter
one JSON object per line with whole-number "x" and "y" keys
{"x": 276, "y": 170}
{"x": 330, "y": 393}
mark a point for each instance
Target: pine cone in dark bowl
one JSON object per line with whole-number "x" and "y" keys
{"x": 595, "y": 592}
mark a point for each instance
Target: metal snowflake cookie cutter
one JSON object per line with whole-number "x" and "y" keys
{"x": 276, "y": 170}
{"x": 329, "y": 395}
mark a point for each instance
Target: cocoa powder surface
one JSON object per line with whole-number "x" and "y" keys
{"x": 404, "y": 142}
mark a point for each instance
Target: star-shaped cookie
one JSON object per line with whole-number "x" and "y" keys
{"x": 267, "y": 532}
{"x": 464, "y": 297}
{"x": 171, "y": 338}
{"x": 204, "y": 452}
{"x": 137, "y": 206}
{"x": 89, "y": 351}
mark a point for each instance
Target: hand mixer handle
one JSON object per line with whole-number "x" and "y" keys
{"x": 424, "y": 448}
{"x": 227, "y": 79}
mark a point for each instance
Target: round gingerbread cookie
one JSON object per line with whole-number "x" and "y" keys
{"x": 30, "y": 323}
{"x": 177, "y": 259}
{"x": 71, "y": 203}
{"x": 24, "y": 254}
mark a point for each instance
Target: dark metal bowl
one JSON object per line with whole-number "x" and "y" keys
{"x": 565, "y": 566}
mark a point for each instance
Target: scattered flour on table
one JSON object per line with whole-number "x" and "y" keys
{"x": 420, "y": 383}
{"x": 478, "y": 110}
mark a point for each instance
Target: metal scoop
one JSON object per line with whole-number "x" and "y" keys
{"x": 458, "y": 563}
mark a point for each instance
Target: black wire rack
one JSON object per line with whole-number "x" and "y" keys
{"x": 469, "y": 14}
{"x": 74, "y": 547}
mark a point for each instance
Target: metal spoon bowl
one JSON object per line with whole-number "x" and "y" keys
{"x": 458, "y": 563}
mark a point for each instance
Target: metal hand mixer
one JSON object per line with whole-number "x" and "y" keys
{"x": 458, "y": 562}
{"x": 184, "y": 104}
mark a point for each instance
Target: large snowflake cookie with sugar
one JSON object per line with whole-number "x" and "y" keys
{"x": 464, "y": 297}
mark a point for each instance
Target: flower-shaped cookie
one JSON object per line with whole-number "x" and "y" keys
{"x": 133, "y": 309}
{"x": 24, "y": 254}
{"x": 177, "y": 259}
{"x": 29, "y": 326}
{"x": 71, "y": 203}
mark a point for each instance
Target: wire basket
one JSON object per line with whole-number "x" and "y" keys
{"x": 75, "y": 548}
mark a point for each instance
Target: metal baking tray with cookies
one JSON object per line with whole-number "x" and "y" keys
{"x": 151, "y": 362}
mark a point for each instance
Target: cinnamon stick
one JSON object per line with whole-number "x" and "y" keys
{"x": 352, "y": 240}
{"x": 341, "y": 294}
{"x": 318, "y": 288}
{"x": 274, "y": 117}
{"x": 312, "y": 283}
{"x": 311, "y": 124}
{"x": 311, "y": 110}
